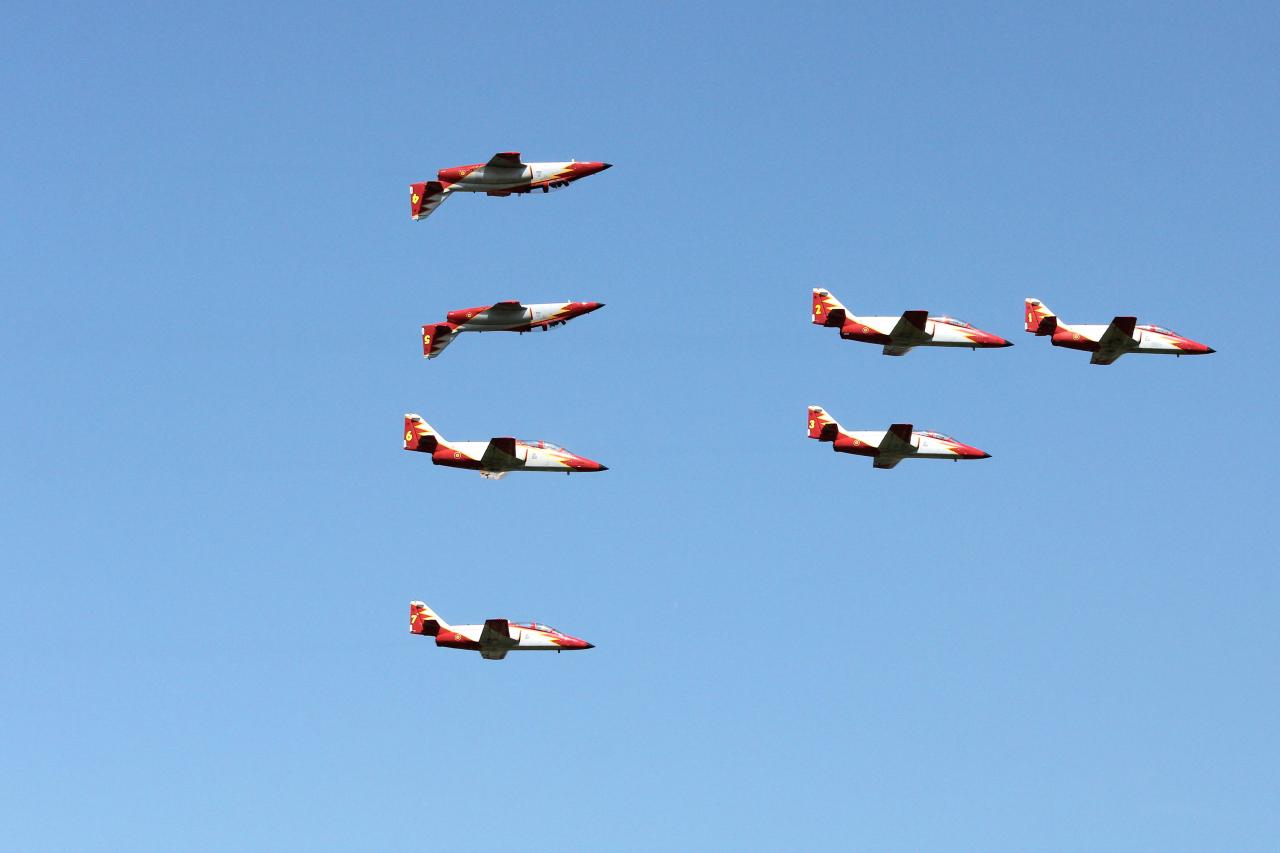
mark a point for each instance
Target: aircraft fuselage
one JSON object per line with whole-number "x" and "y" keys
{"x": 505, "y": 180}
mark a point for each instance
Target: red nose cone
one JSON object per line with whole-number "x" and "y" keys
{"x": 1193, "y": 348}
{"x": 590, "y": 168}
{"x": 580, "y": 464}
{"x": 574, "y": 643}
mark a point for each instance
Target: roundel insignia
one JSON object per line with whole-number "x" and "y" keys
{"x": 457, "y": 455}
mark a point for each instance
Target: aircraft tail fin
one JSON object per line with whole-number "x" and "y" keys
{"x": 1039, "y": 319}
{"x": 435, "y": 337}
{"x": 423, "y": 620}
{"x": 822, "y": 426}
{"x": 827, "y": 310}
{"x": 425, "y": 197}
{"x": 419, "y": 435}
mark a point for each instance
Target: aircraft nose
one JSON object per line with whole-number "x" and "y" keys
{"x": 1208, "y": 350}
{"x": 588, "y": 307}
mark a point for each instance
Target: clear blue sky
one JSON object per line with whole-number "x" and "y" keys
{"x": 212, "y": 291}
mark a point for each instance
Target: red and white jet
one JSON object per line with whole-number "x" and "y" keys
{"x": 508, "y": 316}
{"x": 503, "y": 175}
{"x": 1107, "y": 343}
{"x": 900, "y": 334}
{"x": 494, "y": 638}
{"x": 891, "y": 446}
{"x": 494, "y": 458}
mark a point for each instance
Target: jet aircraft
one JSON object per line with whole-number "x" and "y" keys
{"x": 900, "y": 334}
{"x": 508, "y": 316}
{"x": 503, "y": 175}
{"x": 891, "y": 446}
{"x": 494, "y": 638}
{"x": 494, "y": 458}
{"x": 1107, "y": 343}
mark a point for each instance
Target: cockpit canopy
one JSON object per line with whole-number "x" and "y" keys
{"x": 544, "y": 445}
{"x": 953, "y": 322}
{"x": 536, "y": 626}
{"x": 937, "y": 435}
{"x": 1160, "y": 330}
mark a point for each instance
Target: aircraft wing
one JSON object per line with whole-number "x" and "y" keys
{"x": 435, "y": 338}
{"x": 501, "y": 453}
{"x": 496, "y": 633}
{"x": 506, "y": 160}
{"x": 425, "y": 198}
{"x": 508, "y": 305}
{"x": 895, "y": 445}
{"x": 495, "y": 639}
{"x": 897, "y": 440}
{"x": 1115, "y": 341}
{"x": 895, "y": 349}
{"x": 909, "y": 330}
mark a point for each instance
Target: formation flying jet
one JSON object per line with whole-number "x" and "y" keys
{"x": 891, "y": 446}
{"x": 494, "y": 458}
{"x": 494, "y": 638}
{"x": 900, "y": 334}
{"x": 1107, "y": 343}
{"x": 503, "y": 175}
{"x": 501, "y": 317}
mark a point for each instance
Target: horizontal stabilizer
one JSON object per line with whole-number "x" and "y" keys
{"x": 886, "y": 461}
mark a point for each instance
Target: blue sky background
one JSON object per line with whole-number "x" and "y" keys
{"x": 212, "y": 294}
